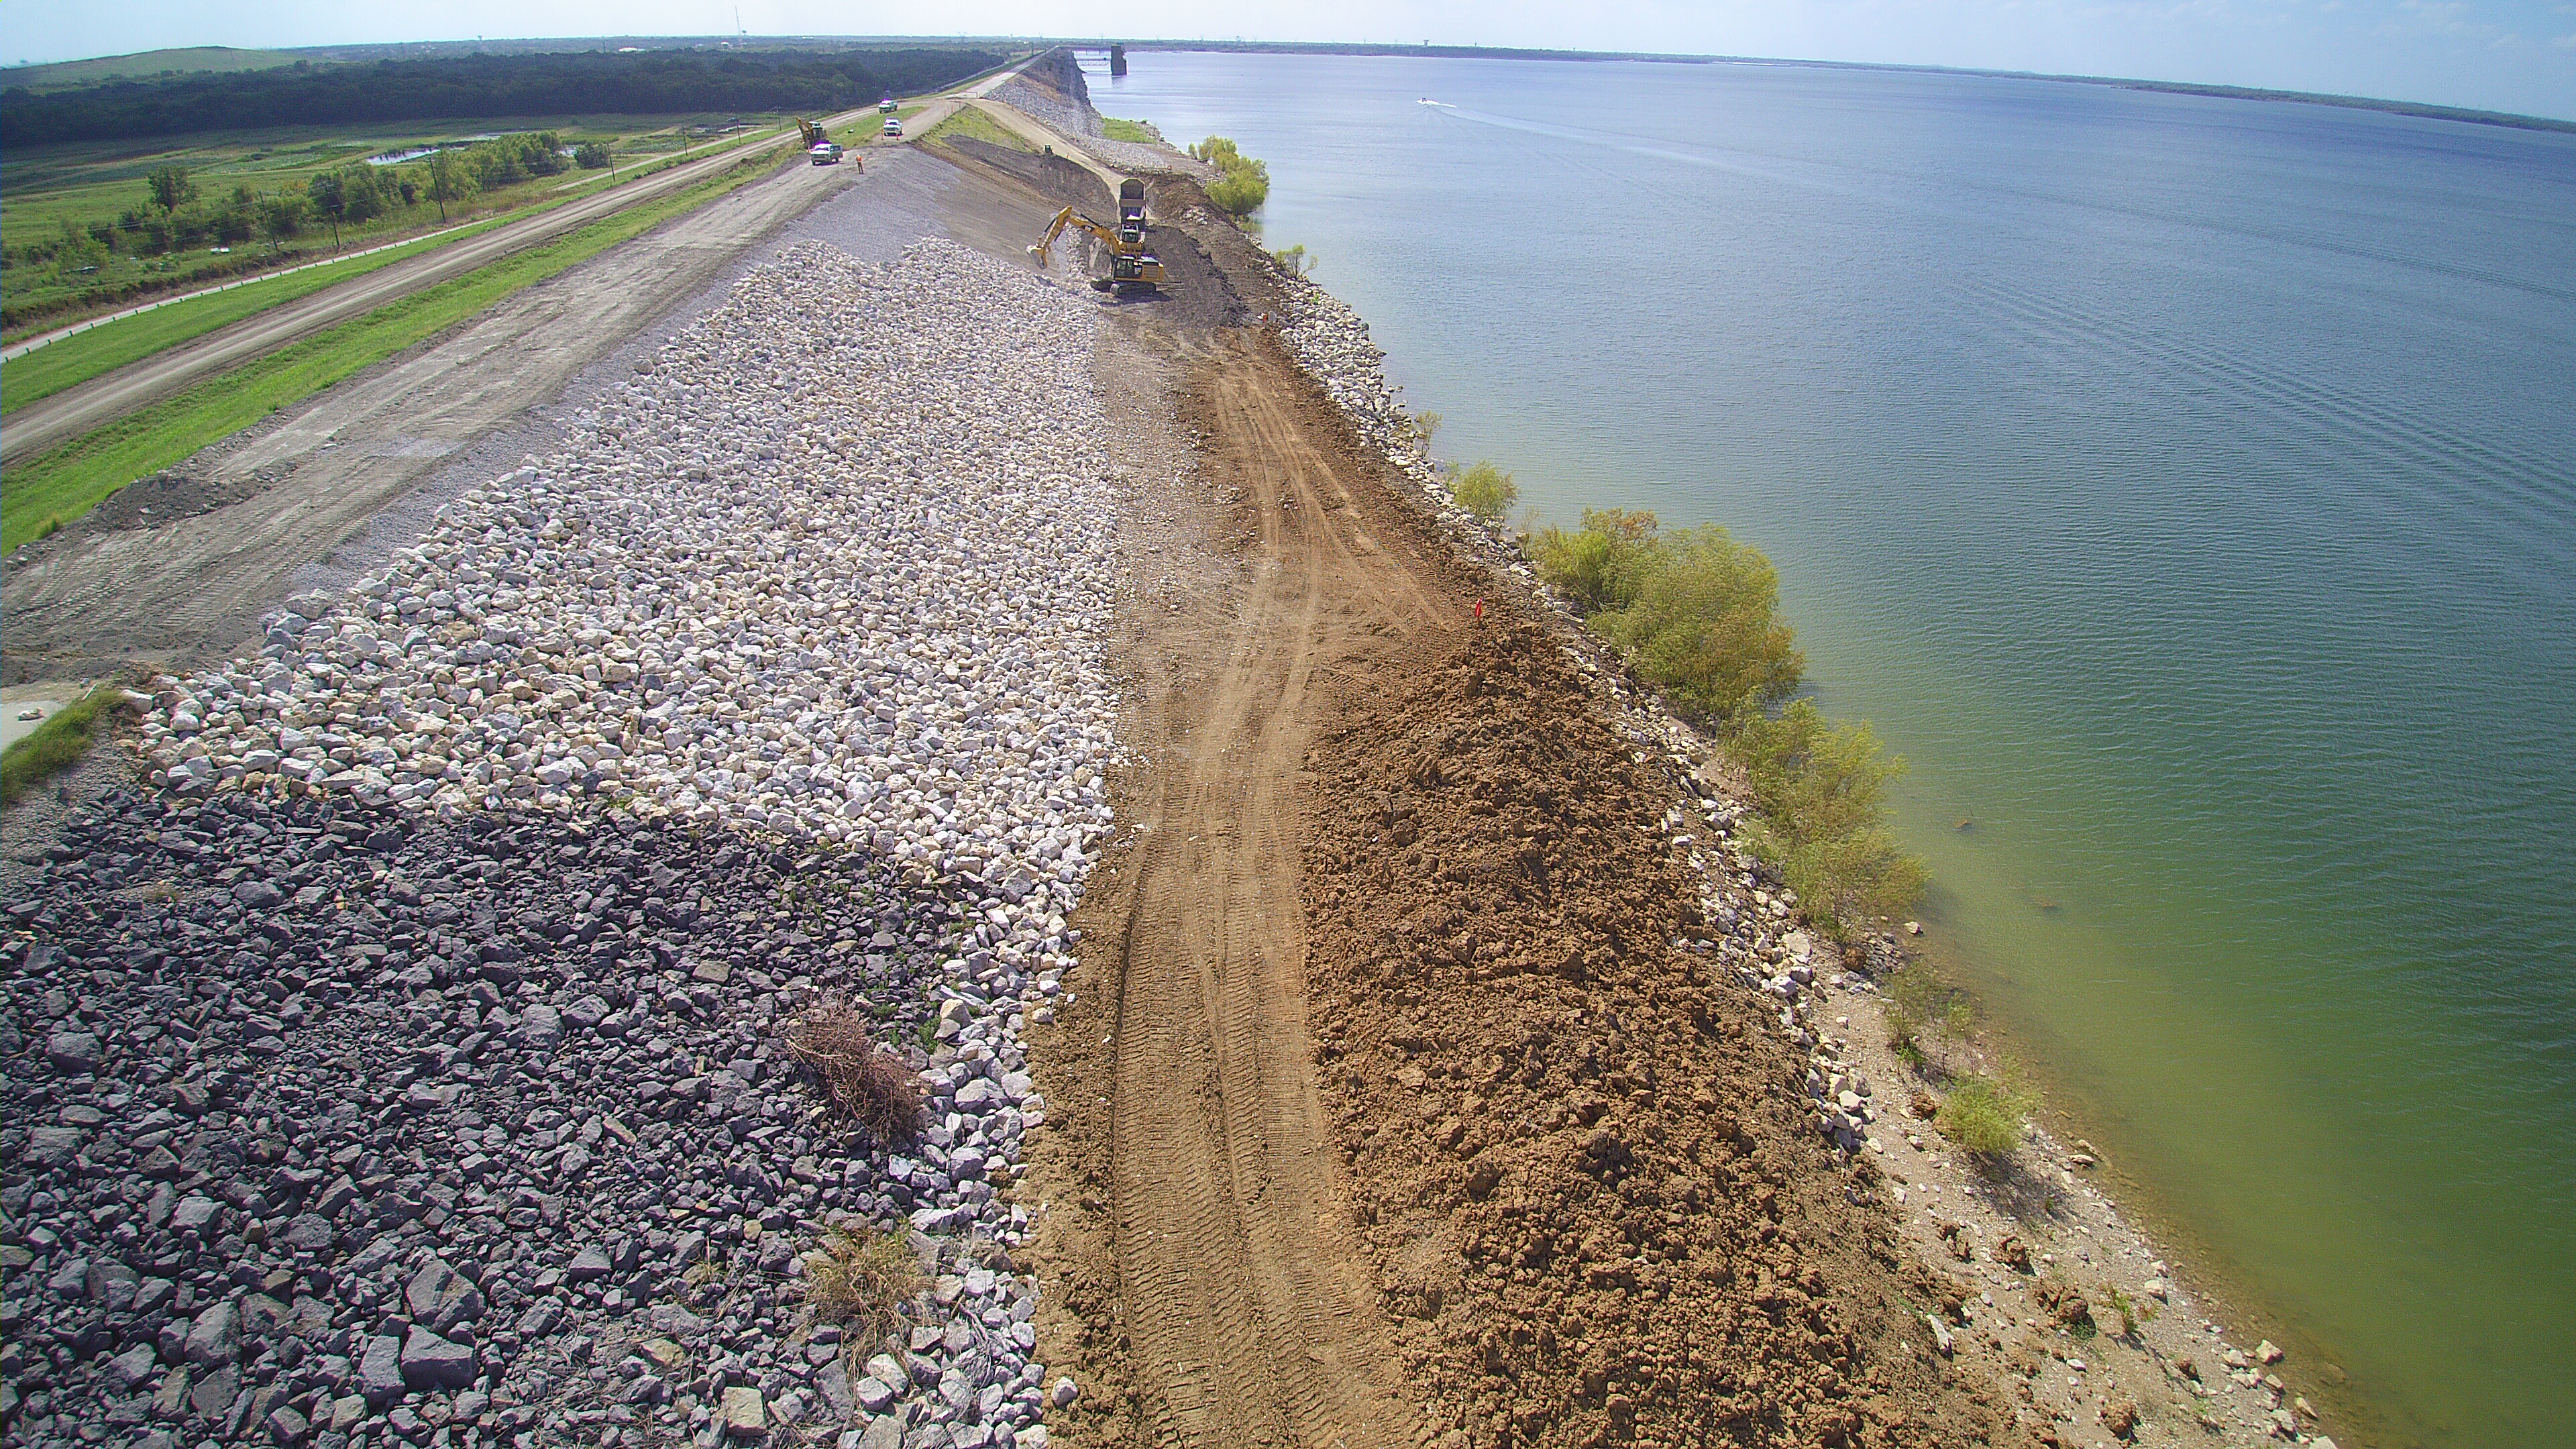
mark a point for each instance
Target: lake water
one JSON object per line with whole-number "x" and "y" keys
{"x": 2187, "y": 487}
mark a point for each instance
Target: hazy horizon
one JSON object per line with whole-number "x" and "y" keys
{"x": 2496, "y": 55}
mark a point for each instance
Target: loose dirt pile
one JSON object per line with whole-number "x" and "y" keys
{"x": 1577, "y": 1154}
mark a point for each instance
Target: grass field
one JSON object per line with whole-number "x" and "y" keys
{"x": 54, "y": 746}
{"x": 51, "y": 491}
{"x": 974, "y": 125}
{"x": 75, "y": 360}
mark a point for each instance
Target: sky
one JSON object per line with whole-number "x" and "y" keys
{"x": 2504, "y": 55}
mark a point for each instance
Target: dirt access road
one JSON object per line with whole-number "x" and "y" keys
{"x": 1400, "y": 1111}
{"x": 1221, "y": 1241}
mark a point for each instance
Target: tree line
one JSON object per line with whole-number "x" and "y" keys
{"x": 481, "y": 86}
{"x": 176, "y": 214}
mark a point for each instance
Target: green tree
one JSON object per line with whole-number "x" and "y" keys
{"x": 77, "y": 249}
{"x": 364, "y": 195}
{"x": 1485, "y": 491}
{"x": 171, "y": 188}
{"x": 282, "y": 216}
{"x": 590, "y": 156}
{"x": 1242, "y": 183}
{"x": 1701, "y": 617}
{"x": 1241, "y": 191}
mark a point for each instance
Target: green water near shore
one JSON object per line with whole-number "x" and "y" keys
{"x": 2187, "y": 487}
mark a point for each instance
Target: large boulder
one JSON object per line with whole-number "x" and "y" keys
{"x": 432, "y": 1362}
{"x": 442, "y": 1299}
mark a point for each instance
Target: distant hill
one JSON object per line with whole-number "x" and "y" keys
{"x": 147, "y": 64}
{"x": 479, "y": 86}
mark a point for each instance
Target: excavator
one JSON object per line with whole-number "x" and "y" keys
{"x": 1131, "y": 267}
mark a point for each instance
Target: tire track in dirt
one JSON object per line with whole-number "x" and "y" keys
{"x": 1247, "y": 1316}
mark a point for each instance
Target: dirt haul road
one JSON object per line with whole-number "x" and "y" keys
{"x": 1249, "y": 1319}
{"x": 75, "y": 412}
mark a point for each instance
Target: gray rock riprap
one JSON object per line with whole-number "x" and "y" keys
{"x": 408, "y": 1068}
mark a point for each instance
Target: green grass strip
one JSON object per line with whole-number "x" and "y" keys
{"x": 54, "y": 746}
{"x": 974, "y": 125}
{"x": 50, "y": 492}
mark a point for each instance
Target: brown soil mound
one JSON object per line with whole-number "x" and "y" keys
{"x": 1579, "y": 1156}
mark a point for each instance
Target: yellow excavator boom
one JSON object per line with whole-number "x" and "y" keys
{"x": 1044, "y": 251}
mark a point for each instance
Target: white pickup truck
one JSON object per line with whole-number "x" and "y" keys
{"x": 826, "y": 154}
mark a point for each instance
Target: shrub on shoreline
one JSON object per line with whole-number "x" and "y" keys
{"x": 1485, "y": 491}
{"x": 1696, "y": 614}
{"x": 1820, "y": 788}
{"x": 1983, "y": 1116}
{"x": 1242, "y": 183}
